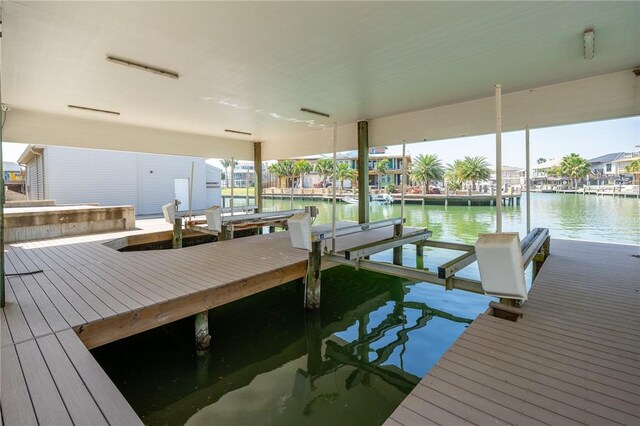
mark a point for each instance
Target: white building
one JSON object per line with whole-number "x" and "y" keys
{"x": 145, "y": 181}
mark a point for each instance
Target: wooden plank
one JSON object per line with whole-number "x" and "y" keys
{"x": 68, "y": 312}
{"x": 16, "y": 322}
{"x": 77, "y": 399}
{"x": 48, "y": 310}
{"x": 46, "y": 399}
{"x": 32, "y": 314}
{"x": 5, "y": 333}
{"x": 73, "y": 298}
{"x": 111, "y": 402}
{"x": 17, "y": 408}
{"x": 80, "y": 290}
{"x": 105, "y": 331}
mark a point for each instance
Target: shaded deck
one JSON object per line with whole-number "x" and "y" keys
{"x": 89, "y": 294}
{"x": 573, "y": 358}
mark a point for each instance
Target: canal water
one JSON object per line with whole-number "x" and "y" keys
{"x": 356, "y": 359}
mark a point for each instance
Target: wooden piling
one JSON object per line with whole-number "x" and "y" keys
{"x": 203, "y": 339}
{"x": 419, "y": 256}
{"x": 312, "y": 279}
{"x": 397, "y": 251}
{"x": 177, "y": 233}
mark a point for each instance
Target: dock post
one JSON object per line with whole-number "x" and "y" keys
{"x": 419, "y": 256}
{"x": 397, "y": 251}
{"x": 203, "y": 339}
{"x": 257, "y": 168}
{"x": 541, "y": 256}
{"x": 363, "y": 171}
{"x": 177, "y": 233}
{"x": 312, "y": 279}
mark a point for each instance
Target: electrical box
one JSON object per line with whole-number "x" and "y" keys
{"x": 300, "y": 230}
{"x": 501, "y": 265}
{"x": 214, "y": 218}
{"x": 169, "y": 212}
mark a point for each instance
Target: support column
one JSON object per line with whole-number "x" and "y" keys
{"x": 499, "y": 158}
{"x": 397, "y": 251}
{"x": 419, "y": 256}
{"x": 312, "y": 279}
{"x": 257, "y": 167}
{"x": 177, "y": 233}
{"x": 363, "y": 171}
{"x": 203, "y": 339}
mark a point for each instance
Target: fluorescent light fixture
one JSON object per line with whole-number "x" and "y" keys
{"x": 94, "y": 109}
{"x": 589, "y": 43}
{"x": 143, "y": 67}
{"x": 311, "y": 111}
{"x": 237, "y": 131}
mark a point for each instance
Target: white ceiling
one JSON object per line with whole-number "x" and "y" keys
{"x": 250, "y": 66}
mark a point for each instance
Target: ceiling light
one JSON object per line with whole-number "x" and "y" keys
{"x": 94, "y": 109}
{"x": 589, "y": 43}
{"x": 237, "y": 131}
{"x": 143, "y": 67}
{"x": 311, "y": 111}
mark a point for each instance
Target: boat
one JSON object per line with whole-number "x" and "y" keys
{"x": 374, "y": 199}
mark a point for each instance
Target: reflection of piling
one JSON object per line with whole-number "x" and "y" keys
{"x": 419, "y": 256}
{"x": 313, "y": 336}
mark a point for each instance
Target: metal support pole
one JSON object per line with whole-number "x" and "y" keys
{"x": 498, "y": 158}
{"x": 312, "y": 279}
{"x": 333, "y": 207}
{"x": 528, "y": 178}
{"x": 232, "y": 172}
{"x": 363, "y": 172}
{"x": 397, "y": 251}
{"x": 404, "y": 179}
{"x": 257, "y": 167}
{"x": 203, "y": 338}
{"x": 246, "y": 184}
{"x": 193, "y": 165}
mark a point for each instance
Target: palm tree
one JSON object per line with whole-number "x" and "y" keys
{"x": 275, "y": 169}
{"x": 288, "y": 170}
{"x": 541, "y": 160}
{"x": 226, "y": 164}
{"x": 634, "y": 168}
{"x": 427, "y": 168}
{"x": 344, "y": 172}
{"x": 382, "y": 167}
{"x": 324, "y": 167}
{"x": 575, "y": 167}
{"x": 453, "y": 175}
{"x": 302, "y": 167}
{"x": 474, "y": 169}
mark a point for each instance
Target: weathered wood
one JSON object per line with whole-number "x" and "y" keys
{"x": 420, "y": 256}
{"x": 397, "y": 251}
{"x": 363, "y": 171}
{"x": 105, "y": 331}
{"x": 177, "y": 233}
{"x": 312, "y": 282}
{"x": 203, "y": 338}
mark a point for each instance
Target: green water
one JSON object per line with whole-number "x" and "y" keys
{"x": 356, "y": 359}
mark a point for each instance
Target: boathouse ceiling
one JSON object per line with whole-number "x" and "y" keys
{"x": 417, "y": 71}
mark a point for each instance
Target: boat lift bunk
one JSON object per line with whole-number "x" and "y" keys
{"x": 534, "y": 247}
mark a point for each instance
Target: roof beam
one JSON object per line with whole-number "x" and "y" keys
{"x": 597, "y": 98}
{"x": 40, "y": 128}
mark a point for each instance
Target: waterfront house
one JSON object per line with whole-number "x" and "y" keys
{"x": 604, "y": 169}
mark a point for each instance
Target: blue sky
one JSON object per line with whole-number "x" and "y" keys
{"x": 589, "y": 140}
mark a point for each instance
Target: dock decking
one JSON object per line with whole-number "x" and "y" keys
{"x": 89, "y": 294}
{"x": 573, "y": 358}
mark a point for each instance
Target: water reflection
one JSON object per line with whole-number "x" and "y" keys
{"x": 273, "y": 363}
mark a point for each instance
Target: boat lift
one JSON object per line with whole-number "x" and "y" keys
{"x": 534, "y": 247}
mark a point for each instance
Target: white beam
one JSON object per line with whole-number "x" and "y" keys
{"x": 602, "y": 97}
{"x": 31, "y": 127}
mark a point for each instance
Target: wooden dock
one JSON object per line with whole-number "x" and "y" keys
{"x": 89, "y": 294}
{"x": 573, "y": 358}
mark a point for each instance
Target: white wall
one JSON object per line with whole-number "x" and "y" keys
{"x": 146, "y": 181}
